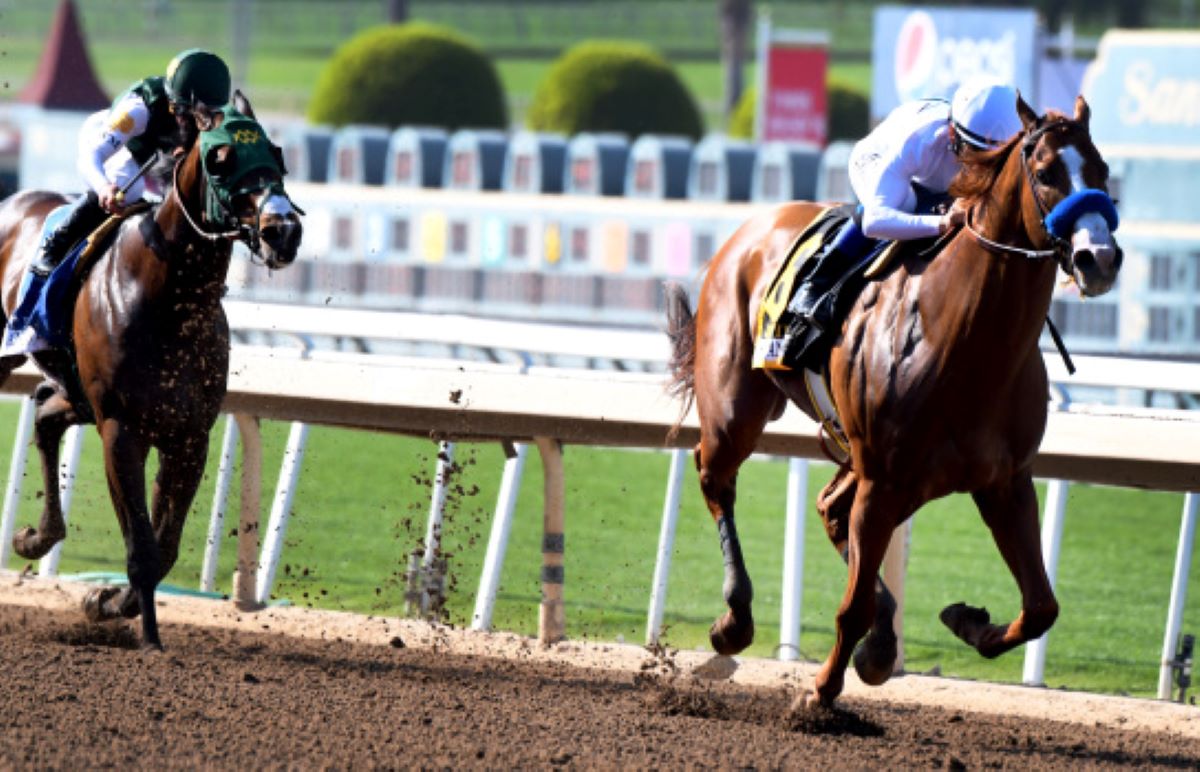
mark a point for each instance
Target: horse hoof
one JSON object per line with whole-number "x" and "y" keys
{"x": 874, "y": 660}
{"x": 728, "y": 636}
{"x": 26, "y": 543}
{"x": 94, "y": 604}
{"x": 967, "y": 622}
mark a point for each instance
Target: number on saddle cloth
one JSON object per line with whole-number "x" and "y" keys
{"x": 42, "y": 318}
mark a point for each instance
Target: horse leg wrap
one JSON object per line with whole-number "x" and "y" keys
{"x": 739, "y": 592}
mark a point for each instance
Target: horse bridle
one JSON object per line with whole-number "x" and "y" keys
{"x": 1060, "y": 248}
{"x": 246, "y": 233}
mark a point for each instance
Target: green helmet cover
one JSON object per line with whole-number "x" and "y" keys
{"x": 196, "y": 76}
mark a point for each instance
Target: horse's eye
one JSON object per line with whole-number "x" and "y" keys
{"x": 1043, "y": 176}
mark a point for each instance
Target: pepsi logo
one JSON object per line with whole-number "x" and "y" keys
{"x": 916, "y": 51}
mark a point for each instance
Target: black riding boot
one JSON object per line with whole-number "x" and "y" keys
{"x": 84, "y": 216}
{"x": 806, "y": 306}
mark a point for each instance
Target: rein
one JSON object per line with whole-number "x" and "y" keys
{"x": 208, "y": 235}
{"x": 995, "y": 246}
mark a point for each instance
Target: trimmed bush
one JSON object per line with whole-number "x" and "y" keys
{"x": 849, "y": 114}
{"x": 614, "y": 86}
{"x": 409, "y": 74}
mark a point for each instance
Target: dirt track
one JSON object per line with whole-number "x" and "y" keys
{"x": 347, "y": 691}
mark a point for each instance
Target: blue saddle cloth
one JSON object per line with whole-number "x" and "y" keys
{"x": 43, "y": 302}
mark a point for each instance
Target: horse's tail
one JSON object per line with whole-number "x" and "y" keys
{"x": 681, "y": 329}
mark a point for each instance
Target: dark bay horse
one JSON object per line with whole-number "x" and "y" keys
{"x": 152, "y": 343}
{"x": 937, "y": 378}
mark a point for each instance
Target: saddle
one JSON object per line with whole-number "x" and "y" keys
{"x": 45, "y": 304}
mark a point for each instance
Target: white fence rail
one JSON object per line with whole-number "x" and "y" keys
{"x": 548, "y": 406}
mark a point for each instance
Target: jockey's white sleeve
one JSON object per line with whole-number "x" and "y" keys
{"x": 910, "y": 145}
{"x": 887, "y": 214}
{"x": 126, "y": 120}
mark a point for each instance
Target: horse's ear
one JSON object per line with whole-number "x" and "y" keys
{"x": 1083, "y": 113}
{"x": 243, "y": 104}
{"x": 1028, "y": 117}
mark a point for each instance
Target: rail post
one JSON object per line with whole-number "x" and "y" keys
{"x": 551, "y": 616}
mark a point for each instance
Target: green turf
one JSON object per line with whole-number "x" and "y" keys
{"x": 364, "y": 498}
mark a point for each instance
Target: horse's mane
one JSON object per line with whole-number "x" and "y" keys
{"x": 981, "y": 169}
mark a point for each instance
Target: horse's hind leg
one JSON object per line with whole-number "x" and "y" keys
{"x": 875, "y": 657}
{"x": 1011, "y": 513}
{"x": 875, "y": 513}
{"x": 124, "y": 461}
{"x": 743, "y": 402}
{"x": 54, "y": 415}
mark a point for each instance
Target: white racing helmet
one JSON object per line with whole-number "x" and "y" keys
{"x": 984, "y": 112}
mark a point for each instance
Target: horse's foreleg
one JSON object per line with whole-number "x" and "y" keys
{"x": 875, "y": 657}
{"x": 179, "y": 474}
{"x": 124, "y": 463}
{"x": 54, "y": 415}
{"x": 872, "y": 520}
{"x": 1011, "y": 513}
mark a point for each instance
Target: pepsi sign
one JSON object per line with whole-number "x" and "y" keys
{"x": 920, "y": 53}
{"x": 1144, "y": 90}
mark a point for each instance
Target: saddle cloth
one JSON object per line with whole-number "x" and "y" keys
{"x": 45, "y": 304}
{"x": 773, "y": 320}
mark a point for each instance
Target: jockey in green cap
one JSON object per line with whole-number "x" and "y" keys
{"x": 152, "y": 115}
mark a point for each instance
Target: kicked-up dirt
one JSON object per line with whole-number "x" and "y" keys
{"x": 301, "y": 689}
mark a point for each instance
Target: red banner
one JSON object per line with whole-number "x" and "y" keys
{"x": 794, "y": 107}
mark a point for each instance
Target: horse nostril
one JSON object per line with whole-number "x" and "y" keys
{"x": 1085, "y": 260}
{"x": 1120, "y": 258}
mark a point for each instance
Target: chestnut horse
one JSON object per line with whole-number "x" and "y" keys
{"x": 937, "y": 378}
{"x": 151, "y": 344}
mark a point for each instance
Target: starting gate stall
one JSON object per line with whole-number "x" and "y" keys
{"x": 595, "y": 165}
{"x": 306, "y": 151}
{"x": 658, "y": 167}
{"x": 416, "y": 158}
{"x": 786, "y": 171}
{"x": 722, "y": 169}
{"x": 535, "y": 163}
{"x": 833, "y": 176}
